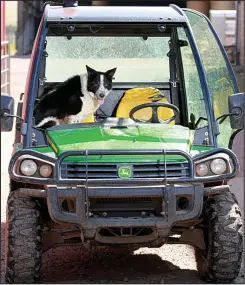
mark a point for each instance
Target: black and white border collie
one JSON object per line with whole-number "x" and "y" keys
{"x": 74, "y": 100}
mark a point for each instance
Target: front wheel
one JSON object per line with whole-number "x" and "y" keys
{"x": 23, "y": 240}
{"x": 221, "y": 261}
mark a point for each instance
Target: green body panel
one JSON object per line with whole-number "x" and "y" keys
{"x": 44, "y": 149}
{"x": 133, "y": 137}
{"x": 201, "y": 148}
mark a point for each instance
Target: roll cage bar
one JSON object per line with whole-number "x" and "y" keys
{"x": 39, "y": 48}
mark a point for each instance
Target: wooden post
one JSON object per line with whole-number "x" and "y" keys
{"x": 240, "y": 41}
{"x": 3, "y": 23}
{"x": 222, "y": 5}
{"x": 20, "y": 28}
{"x": 201, "y": 6}
{"x": 100, "y": 3}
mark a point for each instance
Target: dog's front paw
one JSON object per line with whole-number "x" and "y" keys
{"x": 74, "y": 122}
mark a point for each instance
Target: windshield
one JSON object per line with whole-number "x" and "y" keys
{"x": 137, "y": 59}
{"x": 147, "y": 71}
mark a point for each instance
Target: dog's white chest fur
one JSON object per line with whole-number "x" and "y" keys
{"x": 90, "y": 104}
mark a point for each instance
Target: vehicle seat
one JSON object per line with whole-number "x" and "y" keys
{"x": 137, "y": 96}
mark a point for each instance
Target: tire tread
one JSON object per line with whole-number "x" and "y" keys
{"x": 225, "y": 243}
{"x": 23, "y": 240}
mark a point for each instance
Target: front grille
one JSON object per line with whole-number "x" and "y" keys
{"x": 110, "y": 170}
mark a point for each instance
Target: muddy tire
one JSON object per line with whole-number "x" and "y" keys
{"x": 23, "y": 240}
{"x": 221, "y": 261}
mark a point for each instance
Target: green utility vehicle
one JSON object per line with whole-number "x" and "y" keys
{"x": 152, "y": 165}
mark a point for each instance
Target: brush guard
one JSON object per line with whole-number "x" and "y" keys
{"x": 82, "y": 190}
{"x": 58, "y": 180}
{"x": 84, "y": 194}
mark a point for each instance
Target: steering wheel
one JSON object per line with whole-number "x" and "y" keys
{"x": 154, "y": 118}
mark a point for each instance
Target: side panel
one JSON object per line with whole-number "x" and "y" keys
{"x": 220, "y": 79}
{"x": 30, "y": 72}
{"x": 32, "y": 81}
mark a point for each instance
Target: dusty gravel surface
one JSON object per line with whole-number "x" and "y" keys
{"x": 168, "y": 264}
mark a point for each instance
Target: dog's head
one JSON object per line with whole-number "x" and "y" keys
{"x": 100, "y": 83}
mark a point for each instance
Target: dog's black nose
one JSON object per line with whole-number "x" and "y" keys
{"x": 101, "y": 95}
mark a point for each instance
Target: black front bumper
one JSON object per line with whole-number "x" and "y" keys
{"x": 82, "y": 200}
{"x": 90, "y": 226}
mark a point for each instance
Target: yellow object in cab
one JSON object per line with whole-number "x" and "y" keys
{"x": 90, "y": 119}
{"x": 138, "y": 96}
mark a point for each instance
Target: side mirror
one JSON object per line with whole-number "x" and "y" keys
{"x": 7, "y": 113}
{"x": 236, "y": 107}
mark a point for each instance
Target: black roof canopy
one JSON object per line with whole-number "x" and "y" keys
{"x": 110, "y": 14}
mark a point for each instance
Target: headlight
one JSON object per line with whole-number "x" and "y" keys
{"x": 28, "y": 167}
{"x": 218, "y": 166}
{"x": 45, "y": 170}
{"x": 201, "y": 169}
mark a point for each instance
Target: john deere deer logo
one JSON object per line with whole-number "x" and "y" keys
{"x": 125, "y": 171}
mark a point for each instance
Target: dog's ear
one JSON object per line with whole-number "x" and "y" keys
{"x": 110, "y": 73}
{"x": 90, "y": 71}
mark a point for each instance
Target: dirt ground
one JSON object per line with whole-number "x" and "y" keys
{"x": 168, "y": 264}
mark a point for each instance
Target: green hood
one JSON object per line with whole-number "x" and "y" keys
{"x": 132, "y": 137}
